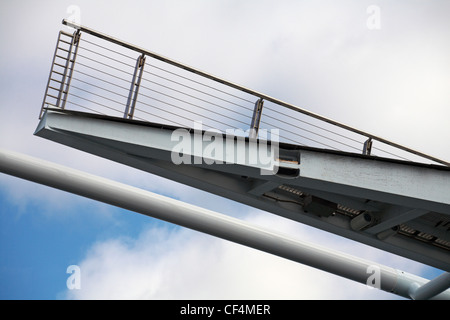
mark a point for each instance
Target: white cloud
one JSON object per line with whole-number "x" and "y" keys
{"x": 164, "y": 263}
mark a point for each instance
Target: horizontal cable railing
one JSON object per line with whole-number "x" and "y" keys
{"x": 93, "y": 72}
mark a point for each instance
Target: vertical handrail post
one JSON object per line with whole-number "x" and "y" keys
{"x": 256, "y": 119}
{"x": 367, "y": 148}
{"x": 134, "y": 88}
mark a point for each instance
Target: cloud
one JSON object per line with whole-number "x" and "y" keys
{"x": 167, "y": 263}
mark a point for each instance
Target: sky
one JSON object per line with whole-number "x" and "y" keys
{"x": 387, "y": 76}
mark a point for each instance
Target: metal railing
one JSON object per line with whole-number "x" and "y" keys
{"x": 97, "y": 73}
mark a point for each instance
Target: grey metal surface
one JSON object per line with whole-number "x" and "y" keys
{"x": 395, "y": 193}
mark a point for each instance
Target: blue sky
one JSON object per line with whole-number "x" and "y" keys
{"x": 37, "y": 244}
{"x": 320, "y": 55}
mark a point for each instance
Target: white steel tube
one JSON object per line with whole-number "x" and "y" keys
{"x": 206, "y": 221}
{"x": 432, "y": 288}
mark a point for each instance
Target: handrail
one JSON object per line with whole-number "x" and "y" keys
{"x": 257, "y": 94}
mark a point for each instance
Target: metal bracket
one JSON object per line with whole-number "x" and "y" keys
{"x": 76, "y": 37}
{"x": 256, "y": 119}
{"x": 367, "y": 149}
{"x": 134, "y": 88}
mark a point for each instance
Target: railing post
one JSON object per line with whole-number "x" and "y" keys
{"x": 256, "y": 119}
{"x": 367, "y": 148}
{"x": 134, "y": 88}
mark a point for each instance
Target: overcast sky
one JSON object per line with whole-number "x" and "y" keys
{"x": 388, "y": 76}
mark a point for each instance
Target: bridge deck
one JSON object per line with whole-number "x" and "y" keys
{"x": 398, "y": 206}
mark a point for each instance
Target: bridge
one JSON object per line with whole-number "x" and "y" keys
{"x": 124, "y": 103}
